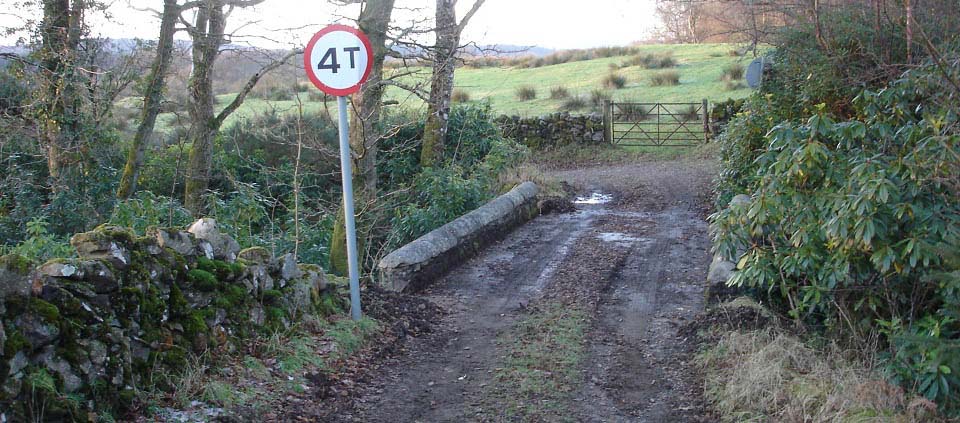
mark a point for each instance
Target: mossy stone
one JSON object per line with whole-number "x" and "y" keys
{"x": 118, "y": 233}
{"x": 235, "y": 295}
{"x": 15, "y": 342}
{"x": 203, "y": 280}
{"x": 48, "y": 311}
{"x": 177, "y": 302}
{"x": 16, "y": 263}
{"x": 271, "y": 296}
{"x": 194, "y": 325}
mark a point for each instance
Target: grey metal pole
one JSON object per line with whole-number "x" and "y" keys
{"x": 348, "y": 215}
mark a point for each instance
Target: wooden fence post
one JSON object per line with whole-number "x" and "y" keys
{"x": 607, "y": 122}
{"x": 706, "y": 122}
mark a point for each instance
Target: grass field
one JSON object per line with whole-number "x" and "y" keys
{"x": 700, "y": 67}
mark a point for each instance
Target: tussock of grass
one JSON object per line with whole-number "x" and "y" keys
{"x": 665, "y": 78}
{"x": 769, "y": 375}
{"x": 733, "y": 85}
{"x": 598, "y": 97}
{"x": 559, "y": 93}
{"x": 732, "y": 72}
{"x": 732, "y": 77}
{"x": 614, "y": 81}
{"x": 691, "y": 114}
{"x": 526, "y": 93}
{"x": 652, "y": 61}
{"x": 460, "y": 96}
{"x": 549, "y": 185}
{"x": 574, "y": 103}
{"x": 632, "y": 112}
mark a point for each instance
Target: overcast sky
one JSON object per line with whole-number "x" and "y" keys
{"x": 555, "y": 24}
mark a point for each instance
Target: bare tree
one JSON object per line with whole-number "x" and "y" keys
{"x": 681, "y": 20}
{"x": 441, "y": 84}
{"x": 152, "y": 99}
{"x": 207, "y": 33}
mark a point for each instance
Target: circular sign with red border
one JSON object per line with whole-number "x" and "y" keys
{"x": 338, "y": 59}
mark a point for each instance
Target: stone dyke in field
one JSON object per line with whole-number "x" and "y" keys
{"x": 553, "y": 130}
{"x": 79, "y": 336}
{"x": 419, "y": 263}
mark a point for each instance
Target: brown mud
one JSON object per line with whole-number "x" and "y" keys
{"x": 649, "y": 249}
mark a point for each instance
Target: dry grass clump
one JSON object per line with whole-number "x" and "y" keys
{"x": 548, "y": 184}
{"x": 598, "y": 97}
{"x": 460, "y": 96}
{"x": 690, "y": 113}
{"x": 732, "y": 77}
{"x": 665, "y": 78}
{"x": 732, "y": 72}
{"x": 652, "y": 61}
{"x": 770, "y": 375}
{"x": 526, "y": 93}
{"x": 571, "y": 104}
{"x": 614, "y": 81}
{"x": 631, "y": 111}
{"x": 559, "y": 93}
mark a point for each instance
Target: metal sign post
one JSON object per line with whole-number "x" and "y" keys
{"x": 338, "y": 60}
{"x": 348, "y": 214}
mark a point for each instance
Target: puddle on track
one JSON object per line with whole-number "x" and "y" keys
{"x": 620, "y": 239}
{"x": 595, "y": 198}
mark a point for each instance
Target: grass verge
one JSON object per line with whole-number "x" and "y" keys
{"x": 758, "y": 373}
{"x": 576, "y": 155}
{"x": 272, "y": 370}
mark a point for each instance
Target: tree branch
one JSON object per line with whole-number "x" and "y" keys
{"x": 242, "y": 95}
{"x": 466, "y": 18}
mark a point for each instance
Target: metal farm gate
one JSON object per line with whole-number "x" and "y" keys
{"x": 657, "y": 124}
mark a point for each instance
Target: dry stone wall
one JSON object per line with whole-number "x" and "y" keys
{"x": 554, "y": 130}
{"x": 78, "y": 335}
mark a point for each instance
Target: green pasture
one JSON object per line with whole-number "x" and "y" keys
{"x": 700, "y": 67}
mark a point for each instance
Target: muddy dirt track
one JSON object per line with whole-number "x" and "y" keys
{"x": 648, "y": 250}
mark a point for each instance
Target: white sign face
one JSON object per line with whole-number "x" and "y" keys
{"x": 338, "y": 59}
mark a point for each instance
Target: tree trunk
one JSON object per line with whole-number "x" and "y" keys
{"x": 207, "y": 36}
{"x": 909, "y": 30}
{"x": 441, "y": 85}
{"x": 152, "y": 98}
{"x": 365, "y": 131}
{"x": 60, "y": 34}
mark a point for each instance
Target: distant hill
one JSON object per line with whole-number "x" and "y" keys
{"x": 507, "y": 50}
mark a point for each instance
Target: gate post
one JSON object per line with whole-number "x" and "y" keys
{"x": 607, "y": 122}
{"x": 706, "y": 122}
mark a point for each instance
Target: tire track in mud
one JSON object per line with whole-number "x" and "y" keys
{"x": 654, "y": 247}
{"x": 442, "y": 377}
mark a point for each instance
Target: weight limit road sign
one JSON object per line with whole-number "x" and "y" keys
{"x": 338, "y": 60}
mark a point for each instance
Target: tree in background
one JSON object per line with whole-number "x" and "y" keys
{"x": 58, "y": 110}
{"x": 207, "y": 33}
{"x": 681, "y": 20}
{"x": 365, "y": 133}
{"x": 152, "y": 98}
{"x": 441, "y": 84}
